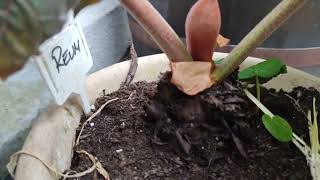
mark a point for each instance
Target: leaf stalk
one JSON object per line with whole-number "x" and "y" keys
{"x": 284, "y": 10}
{"x": 157, "y": 27}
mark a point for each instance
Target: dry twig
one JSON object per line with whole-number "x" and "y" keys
{"x": 93, "y": 116}
{"x": 133, "y": 65}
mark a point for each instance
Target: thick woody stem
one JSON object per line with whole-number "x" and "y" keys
{"x": 261, "y": 32}
{"x": 153, "y": 23}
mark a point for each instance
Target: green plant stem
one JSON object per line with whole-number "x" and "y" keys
{"x": 258, "y": 88}
{"x": 261, "y": 32}
{"x": 161, "y": 32}
{"x": 245, "y": 85}
{"x": 258, "y": 103}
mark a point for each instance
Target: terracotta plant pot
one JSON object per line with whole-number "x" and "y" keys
{"x": 52, "y": 135}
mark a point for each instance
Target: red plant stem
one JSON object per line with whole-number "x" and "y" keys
{"x": 284, "y": 10}
{"x": 153, "y": 23}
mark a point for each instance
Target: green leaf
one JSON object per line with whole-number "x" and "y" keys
{"x": 270, "y": 68}
{"x": 247, "y": 74}
{"x": 265, "y": 71}
{"x": 278, "y": 127}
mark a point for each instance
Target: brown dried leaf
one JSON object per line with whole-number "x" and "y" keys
{"x": 222, "y": 41}
{"x": 192, "y": 77}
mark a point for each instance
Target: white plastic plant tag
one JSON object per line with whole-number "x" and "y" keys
{"x": 64, "y": 61}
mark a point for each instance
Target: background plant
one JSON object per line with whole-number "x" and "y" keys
{"x": 25, "y": 24}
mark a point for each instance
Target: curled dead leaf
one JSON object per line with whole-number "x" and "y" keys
{"x": 192, "y": 77}
{"x": 222, "y": 41}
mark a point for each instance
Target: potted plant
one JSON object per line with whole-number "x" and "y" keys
{"x": 180, "y": 128}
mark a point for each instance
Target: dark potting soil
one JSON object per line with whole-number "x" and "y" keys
{"x": 153, "y": 131}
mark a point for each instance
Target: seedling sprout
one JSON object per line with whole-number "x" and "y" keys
{"x": 281, "y": 130}
{"x": 262, "y": 73}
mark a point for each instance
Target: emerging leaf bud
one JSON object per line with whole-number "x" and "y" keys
{"x": 202, "y": 29}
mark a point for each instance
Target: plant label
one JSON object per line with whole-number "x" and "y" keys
{"x": 64, "y": 61}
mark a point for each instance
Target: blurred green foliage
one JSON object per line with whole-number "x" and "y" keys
{"x": 24, "y": 24}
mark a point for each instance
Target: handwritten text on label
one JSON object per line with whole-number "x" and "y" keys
{"x": 63, "y": 57}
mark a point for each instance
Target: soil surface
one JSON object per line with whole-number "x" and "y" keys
{"x": 153, "y": 131}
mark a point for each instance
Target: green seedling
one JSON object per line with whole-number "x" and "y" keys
{"x": 277, "y": 126}
{"x": 280, "y": 129}
{"x": 262, "y": 73}
{"x": 313, "y": 153}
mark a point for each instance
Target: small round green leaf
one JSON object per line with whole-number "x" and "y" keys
{"x": 265, "y": 71}
{"x": 270, "y": 68}
{"x": 247, "y": 74}
{"x": 278, "y": 127}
